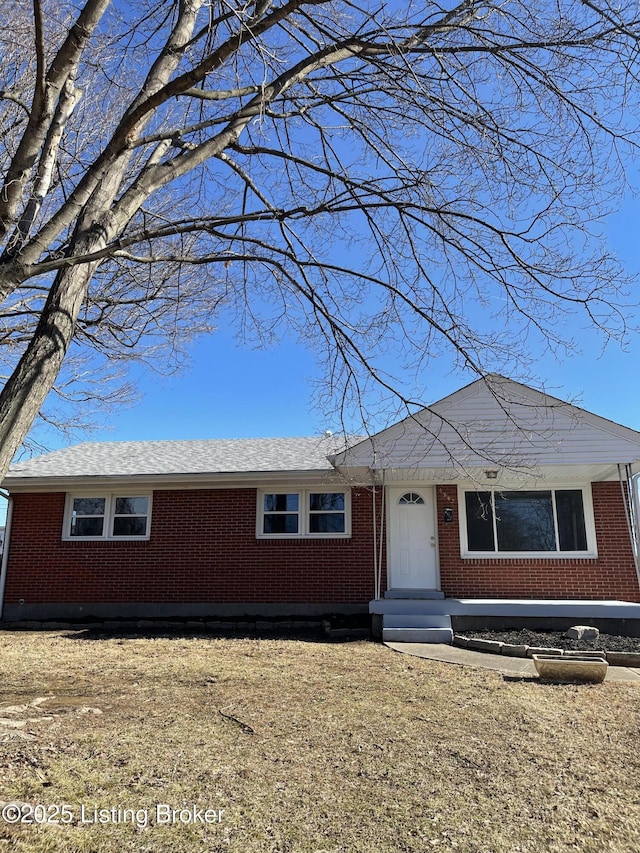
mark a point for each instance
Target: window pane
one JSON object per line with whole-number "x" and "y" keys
{"x": 88, "y": 506}
{"x": 479, "y": 521}
{"x": 280, "y": 523}
{"x": 281, "y": 503}
{"x": 329, "y": 522}
{"x": 132, "y": 506}
{"x": 87, "y": 526}
{"x": 524, "y": 521}
{"x": 571, "y": 528}
{"x": 326, "y": 500}
{"x": 411, "y": 498}
{"x": 129, "y": 526}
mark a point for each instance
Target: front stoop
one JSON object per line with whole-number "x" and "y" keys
{"x": 414, "y": 594}
{"x": 416, "y": 628}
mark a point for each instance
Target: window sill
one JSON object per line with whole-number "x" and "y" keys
{"x": 529, "y": 555}
{"x": 306, "y": 537}
{"x": 106, "y": 538}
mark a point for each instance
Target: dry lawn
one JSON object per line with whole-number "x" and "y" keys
{"x": 308, "y": 748}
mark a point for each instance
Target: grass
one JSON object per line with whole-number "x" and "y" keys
{"x": 307, "y": 748}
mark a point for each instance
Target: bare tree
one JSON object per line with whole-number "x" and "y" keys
{"x": 373, "y": 177}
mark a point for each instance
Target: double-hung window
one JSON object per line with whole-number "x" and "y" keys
{"x": 107, "y": 516}
{"x": 540, "y": 522}
{"x": 303, "y": 513}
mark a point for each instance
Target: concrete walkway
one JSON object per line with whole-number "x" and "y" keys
{"x": 513, "y": 667}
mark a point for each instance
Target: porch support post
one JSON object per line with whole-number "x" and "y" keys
{"x": 376, "y": 585}
{"x": 383, "y": 504}
{"x": 630, "y": 501}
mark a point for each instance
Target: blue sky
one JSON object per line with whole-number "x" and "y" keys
{"x": 230, "y": 390}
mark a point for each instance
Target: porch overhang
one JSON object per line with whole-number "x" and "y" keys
{"x": 494, "y": 474}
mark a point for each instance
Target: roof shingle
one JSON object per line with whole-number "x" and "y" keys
{"x": 207, "y": 456}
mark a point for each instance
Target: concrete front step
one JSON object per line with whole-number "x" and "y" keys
{"x": 416, "y": 620}
{"x": 417, "y": 635}
{"x": 411, "y": 627}
{"x": 415, "y": 594}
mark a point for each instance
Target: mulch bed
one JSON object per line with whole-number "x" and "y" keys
{"x": 558, "y": 640}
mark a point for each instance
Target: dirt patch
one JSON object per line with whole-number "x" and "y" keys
{"x": 558, "y": 640}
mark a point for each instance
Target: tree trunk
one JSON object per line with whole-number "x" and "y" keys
{"x": 34, "y": 376}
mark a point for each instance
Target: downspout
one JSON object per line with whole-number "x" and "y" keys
{"x": 5, "y": 553}
{"x": 630, "y": 501}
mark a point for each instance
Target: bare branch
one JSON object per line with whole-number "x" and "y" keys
{"x": 367, "y": 177}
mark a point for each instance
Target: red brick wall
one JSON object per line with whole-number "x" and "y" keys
{"x": 203, "y": 548}
{"x": 611, "y": 576}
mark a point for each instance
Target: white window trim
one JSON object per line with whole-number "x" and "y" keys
{"x": 303, "y": 512}
{"x": 109, "y": 514}
{"x": 589, "y": 523}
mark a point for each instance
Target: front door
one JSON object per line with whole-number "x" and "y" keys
{"x": 412, "y": 539}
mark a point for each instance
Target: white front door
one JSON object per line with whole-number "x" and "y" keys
{"x": 412, "y": 560}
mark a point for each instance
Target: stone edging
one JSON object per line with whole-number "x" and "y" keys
{"x": 497, "y": 647}
{"x": 276, "y": 627}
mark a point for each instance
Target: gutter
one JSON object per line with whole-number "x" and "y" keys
{"x": 223, "y": 479}
{"x": 5, "y": 553}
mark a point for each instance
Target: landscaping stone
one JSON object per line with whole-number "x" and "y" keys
{"x": 515, "y": 651}
{"x": 459, "y": 640}
{"x": 533, "y": 650}
{"x": 583, "y": 632}
{"x": 623, "y": 659}
{"x": 347, "y": 633}
{"x": 494, "y": 646}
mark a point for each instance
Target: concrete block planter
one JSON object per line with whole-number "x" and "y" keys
{"x": 570, "y": 670}
{"x": 596, "y": 653}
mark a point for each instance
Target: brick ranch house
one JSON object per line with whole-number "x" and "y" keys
{"x": 494, "y": 498}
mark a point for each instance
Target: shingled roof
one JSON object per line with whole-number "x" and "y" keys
{"x": 157, "y": 458}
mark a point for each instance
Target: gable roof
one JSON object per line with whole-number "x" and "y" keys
{"x": 157, "y": 459}
{"x": 493, "y": 422}
{"x": 497, "y": 422}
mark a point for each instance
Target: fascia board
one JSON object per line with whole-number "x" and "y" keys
{"x": 17, "y": 485}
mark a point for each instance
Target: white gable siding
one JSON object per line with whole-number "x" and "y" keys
{"x": 513, "y": 426}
